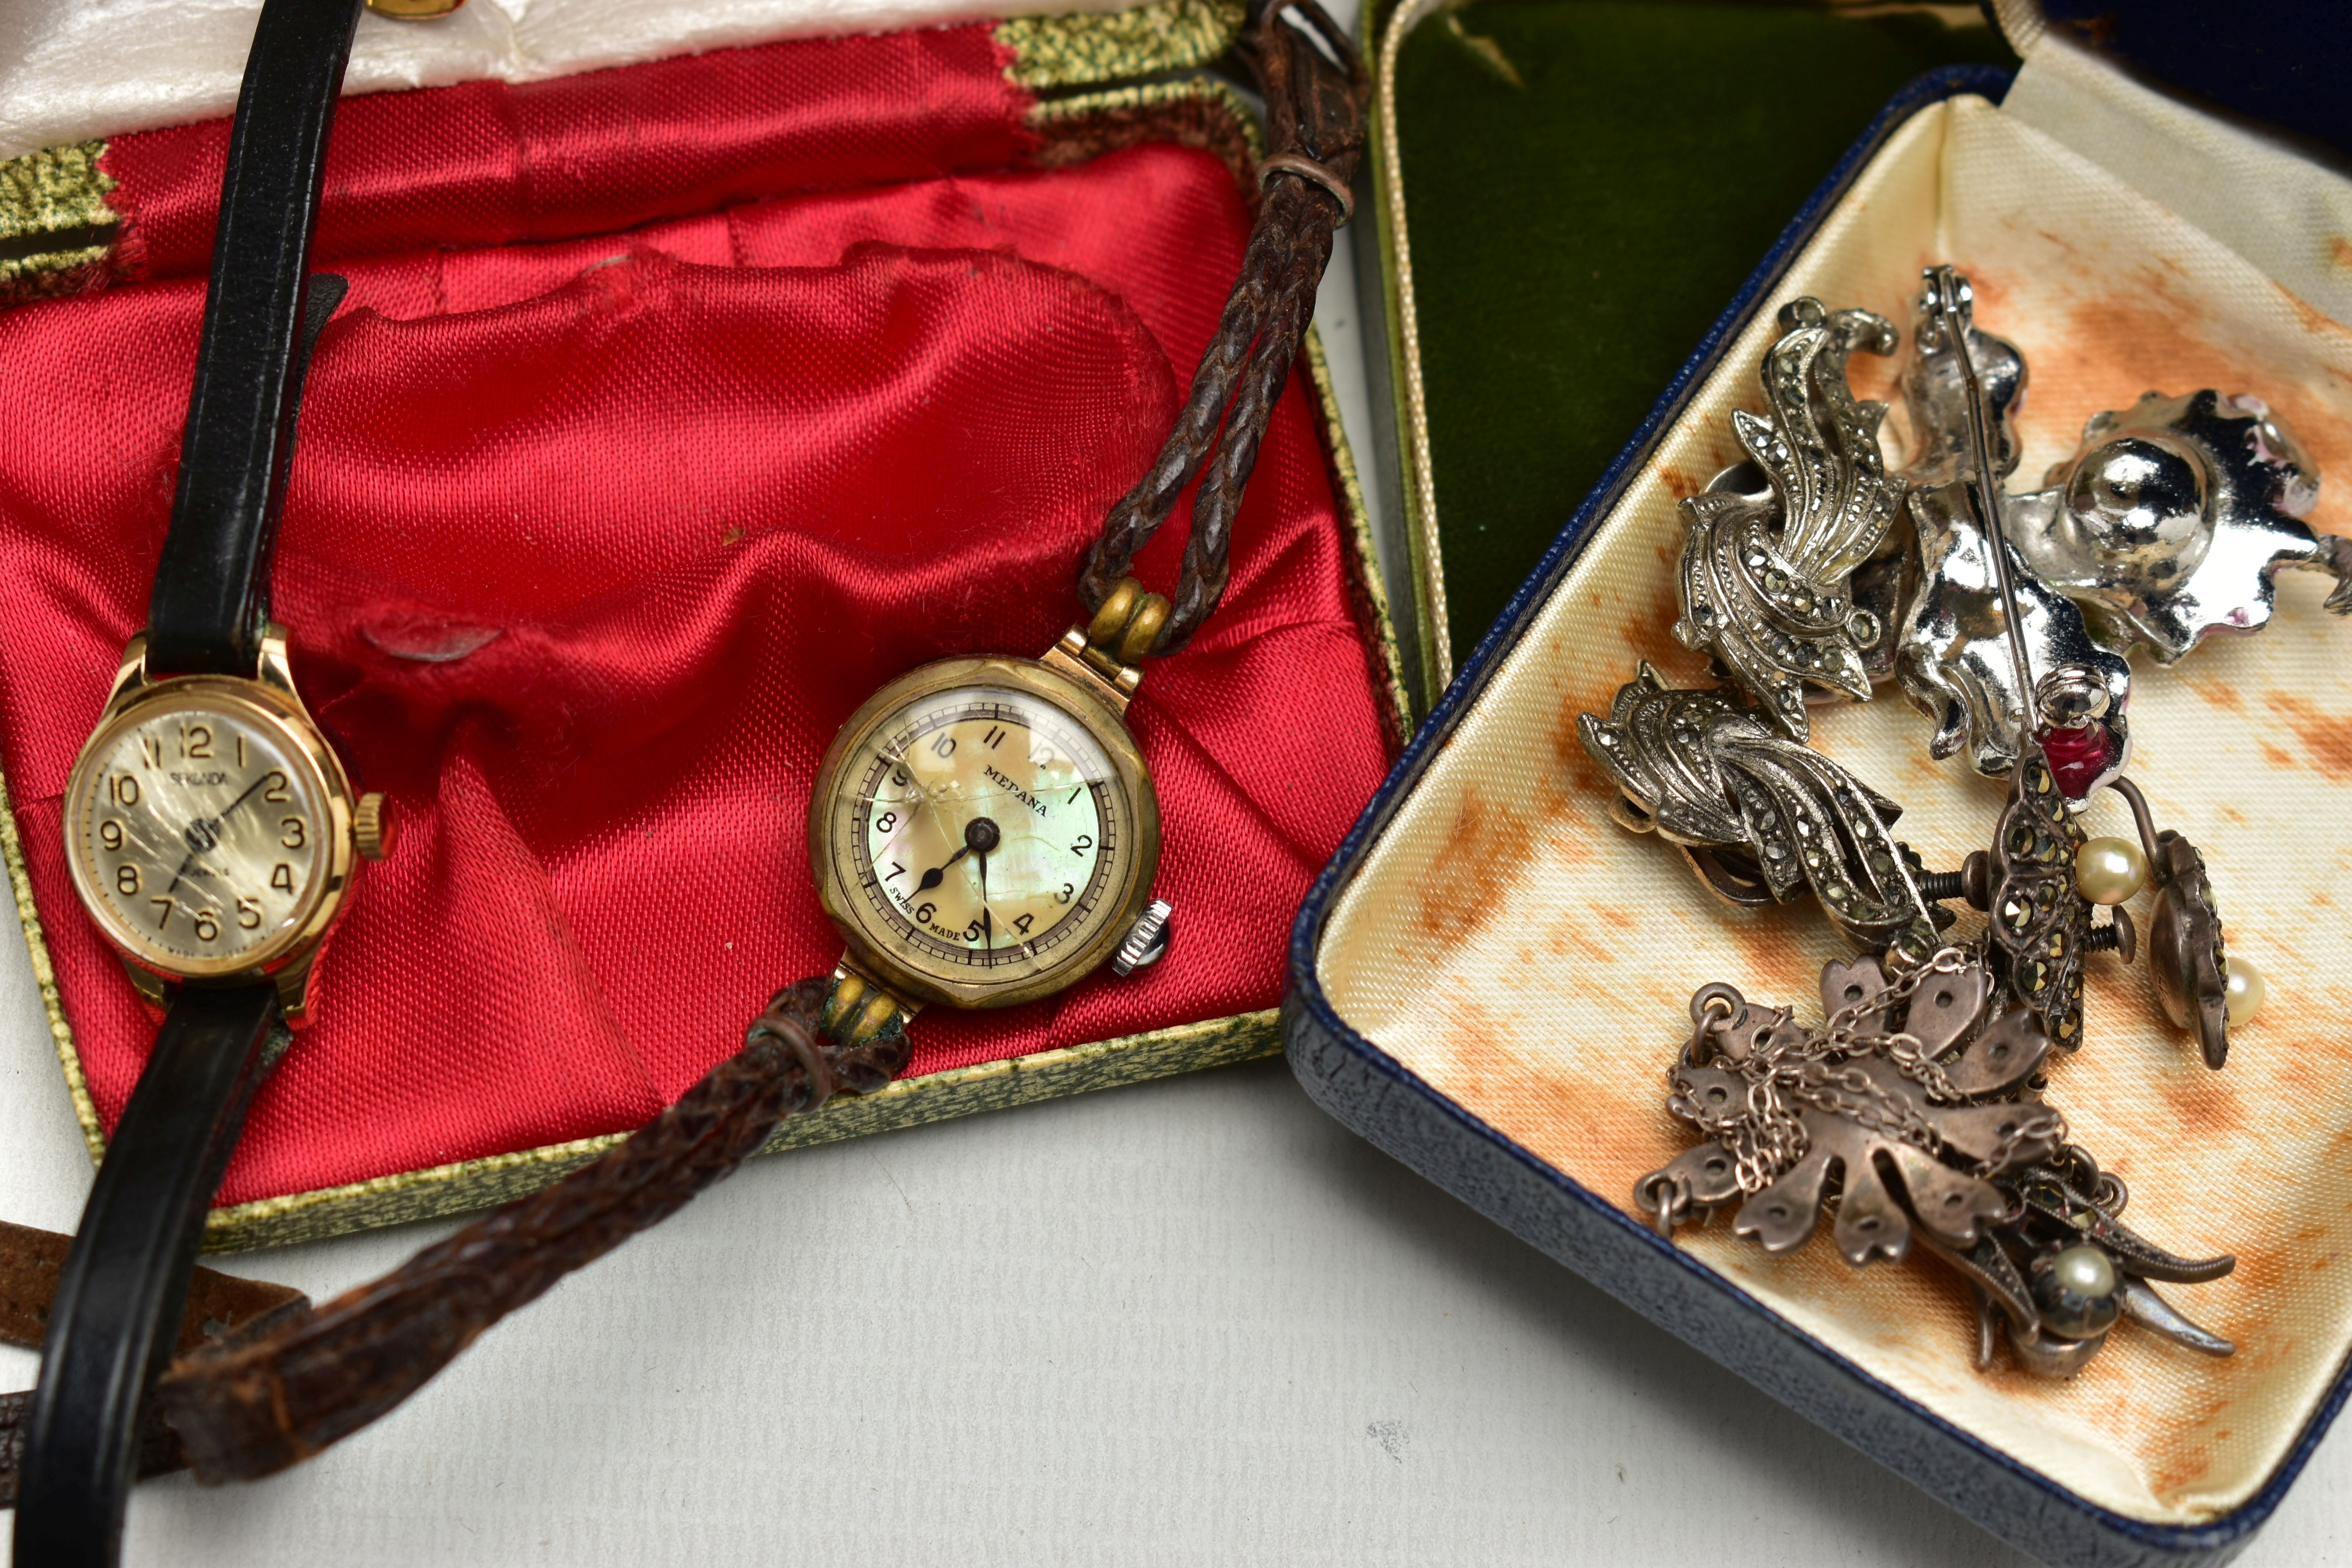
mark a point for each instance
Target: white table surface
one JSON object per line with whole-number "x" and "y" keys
{"x": 1193, "y": 1321}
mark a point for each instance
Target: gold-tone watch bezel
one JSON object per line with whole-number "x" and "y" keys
{"x": 1067, "y": 697}
{"x": 265, "y": 707}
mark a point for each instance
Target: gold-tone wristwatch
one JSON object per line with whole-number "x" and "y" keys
{"x": 211, "y": 830}
{"x": 984, "y": 832}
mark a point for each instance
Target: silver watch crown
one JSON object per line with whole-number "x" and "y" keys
{"x": 1146, "y": 940}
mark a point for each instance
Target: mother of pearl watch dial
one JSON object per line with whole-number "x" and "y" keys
{"x": 981, "y": 836}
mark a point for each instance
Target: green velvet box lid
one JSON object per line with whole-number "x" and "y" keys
{"x": 1564, "y": 193}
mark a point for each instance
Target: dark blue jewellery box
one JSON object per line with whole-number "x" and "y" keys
{"x": 1489, "y": 980}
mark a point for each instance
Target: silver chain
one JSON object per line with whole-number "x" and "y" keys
{"x": 1766, "y": 1136}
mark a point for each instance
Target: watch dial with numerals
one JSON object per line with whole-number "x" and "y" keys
{"x": 198, "y": 834}
{"x": 981, "y": 836}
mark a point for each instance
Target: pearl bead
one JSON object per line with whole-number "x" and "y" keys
{"x": 2110, "y": 871}
{"x": 2243, "y": 991}
{"x": 2084, "y": 1271}
{"x": 2076, "y": 1291}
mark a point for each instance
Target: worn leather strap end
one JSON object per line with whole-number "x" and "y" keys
{"x": 218, "y": 1304}
{"x": 247, "y": 1409}
{"x": 222, "y": 1308}
{"x": 122, "y": 1289}
{"x": 1316, "y": 97}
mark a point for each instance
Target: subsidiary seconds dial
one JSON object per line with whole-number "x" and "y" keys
{"x": 199, "y": 835}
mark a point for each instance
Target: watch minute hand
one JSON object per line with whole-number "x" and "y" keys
{"x": 240, "y": 799}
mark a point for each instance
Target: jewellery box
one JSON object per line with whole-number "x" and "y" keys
{"x": 1492, "y": 977}
{"x": 676, "y": 405}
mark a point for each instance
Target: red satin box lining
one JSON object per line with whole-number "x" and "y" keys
{"x": 673, "y": 410}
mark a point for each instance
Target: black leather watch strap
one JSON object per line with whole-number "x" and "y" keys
{"x": 212, "y": 586}
{"x": 125, "y": 1282}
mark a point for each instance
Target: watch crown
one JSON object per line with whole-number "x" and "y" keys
{"x": 372, "y": 827}
{"x": 1146, "y": 940}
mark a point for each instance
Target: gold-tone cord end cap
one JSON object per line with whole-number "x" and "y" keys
{"x": 1128, "y": 622}
{"x": 1114, "y": 645}
{"x": 858, "y": 1009}
{"x": 414, "y": 10}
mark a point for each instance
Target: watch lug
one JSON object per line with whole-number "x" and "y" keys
{"x": 1114, "y": 684}
{"x": 152, "y": 988}
{"x": 294, "y": 989}
{"x": 274, "y": 669}
{"x": 132, "y": 676}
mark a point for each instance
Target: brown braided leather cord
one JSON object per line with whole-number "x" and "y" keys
{"x": 1314, "y": 110}
{"x": 245, "y": 1410}
{"x": 289, "y": 1384}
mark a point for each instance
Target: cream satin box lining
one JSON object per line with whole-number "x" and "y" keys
{"x": 1510, "y": 945}
{"x": 72, "y": 70}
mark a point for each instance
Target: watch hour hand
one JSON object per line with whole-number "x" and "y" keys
{"x": 980, "y": 836}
